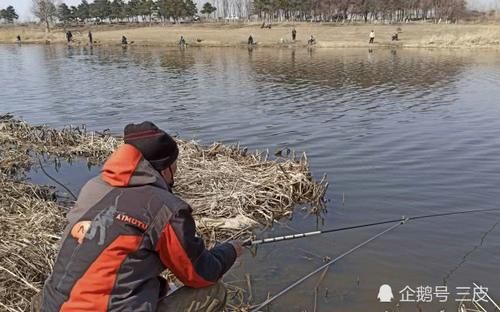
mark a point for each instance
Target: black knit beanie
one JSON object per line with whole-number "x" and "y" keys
{"x": 157, "y": 147}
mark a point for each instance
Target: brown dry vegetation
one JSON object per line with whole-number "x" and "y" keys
{"x": 231, "y": 191}
{"x": 328, "y": 35}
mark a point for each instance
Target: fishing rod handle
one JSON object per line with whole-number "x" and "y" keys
{"x": 280, "y": 238}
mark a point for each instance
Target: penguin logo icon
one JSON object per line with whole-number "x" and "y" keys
{"x": 385, "y": 294}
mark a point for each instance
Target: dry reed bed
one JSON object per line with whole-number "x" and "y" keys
{"x": 488, "y": 39}
{"x": 31, "y": 224}
{"x": 67, "y": 142}
{"x": 231, "y": 192}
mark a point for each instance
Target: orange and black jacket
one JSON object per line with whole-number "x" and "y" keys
{"x": 125, "y": 229}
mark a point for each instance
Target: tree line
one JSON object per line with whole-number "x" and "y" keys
{"x": 133, "y": 10}
{"x": 272, "y": 10}
{"x": 359, "y": 10}
{"x": 268, "y": 10}
{"x": 8, "y": 15}
{"x": 340, "y": 10}
{"x": 113, "y": 10}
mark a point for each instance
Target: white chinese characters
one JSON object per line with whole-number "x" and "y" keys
{"x": 428, "y": 294}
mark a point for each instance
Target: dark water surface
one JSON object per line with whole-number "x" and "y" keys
{"x": 403, "y": 132}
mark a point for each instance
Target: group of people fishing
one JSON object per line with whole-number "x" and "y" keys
{"x": 69, "y": 38}
{"x": 312, "y": 40}
{"x": 251, "y": 40}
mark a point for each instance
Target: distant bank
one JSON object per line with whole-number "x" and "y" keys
{"x": 222, "y": 35}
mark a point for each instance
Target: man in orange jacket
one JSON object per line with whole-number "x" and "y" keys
{"x": 127, "y": 228}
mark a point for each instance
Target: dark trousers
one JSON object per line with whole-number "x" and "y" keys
{"x": 185, "y": 299}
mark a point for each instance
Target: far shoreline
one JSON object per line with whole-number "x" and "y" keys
{"x": 417, "y": 35}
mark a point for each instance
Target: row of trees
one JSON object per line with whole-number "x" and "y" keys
{"x": 274, "y": 10}
{"x": 367, "y": 10}
{"x": 133, "y": 10}
{"x": 8, "y": 14}
{"x": 339, "y": 10}
{"x": 113, "y": 10}
{"x": 271, "y": 10}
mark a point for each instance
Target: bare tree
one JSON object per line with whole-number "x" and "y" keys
{"x": 46, "y": 11}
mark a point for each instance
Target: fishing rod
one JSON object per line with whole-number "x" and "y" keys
{"x": 271, "y": 240}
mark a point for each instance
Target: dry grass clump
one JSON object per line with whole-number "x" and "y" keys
{"x": 66, "y": 142}
{"x": 486, "y": 39}
{"x": 13, "y": 160}
{"x": 31, "y": 224}
{"x": 27, "y": 33}
{"x": 230, "y": 190}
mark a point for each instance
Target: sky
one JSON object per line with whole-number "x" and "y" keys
{"x": 23, "y": 7}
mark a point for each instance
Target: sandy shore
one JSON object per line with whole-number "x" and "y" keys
{"x": 327, "y": 35}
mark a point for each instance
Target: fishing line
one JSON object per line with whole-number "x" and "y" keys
{"x": 55, "y": 180}
{"x": 469, "y": 253}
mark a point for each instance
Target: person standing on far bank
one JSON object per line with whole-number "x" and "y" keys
{"x": 294, "y": 34}
{"x": 182, "y": 42}
{"x": 126, "y": 228}
{"x": 69, "y": 36}
{"x": 91, "y": 40}
{"x": 311, "y": 41}
{"x": 372, "y": 37}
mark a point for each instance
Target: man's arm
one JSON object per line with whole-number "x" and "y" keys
{"x": 186, "y": 256}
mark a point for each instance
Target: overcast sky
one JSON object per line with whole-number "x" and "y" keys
{"x": 23, "y": 7}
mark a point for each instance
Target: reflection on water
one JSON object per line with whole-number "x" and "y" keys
{"x": 399, "y": 132}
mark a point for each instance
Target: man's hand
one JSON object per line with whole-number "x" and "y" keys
{"x": 238, "y": 246}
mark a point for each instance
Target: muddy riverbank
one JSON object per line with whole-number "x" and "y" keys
{"x": 233, "y": 35}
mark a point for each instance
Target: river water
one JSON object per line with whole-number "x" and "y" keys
{"x": 398, "y": 132}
